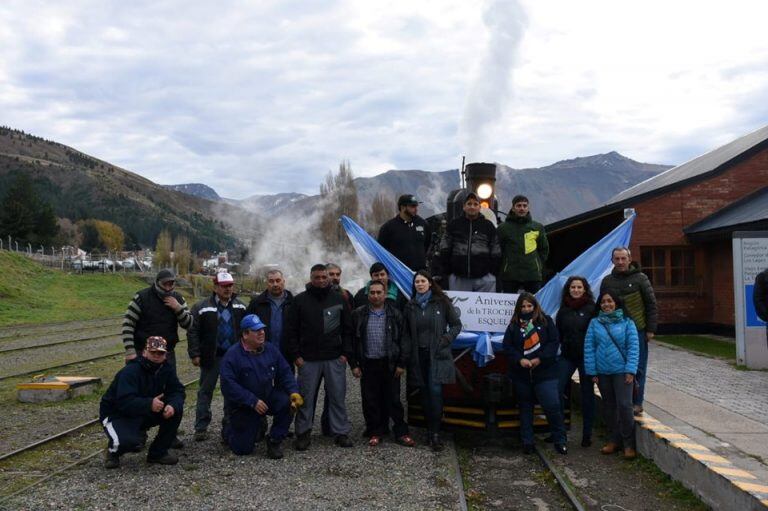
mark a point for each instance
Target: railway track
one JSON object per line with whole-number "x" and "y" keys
{"x": 57, "y": 343}
{"x": 65, "y": 364}
{"x": 74, "y": 326}
{"x": 83, "y": 427}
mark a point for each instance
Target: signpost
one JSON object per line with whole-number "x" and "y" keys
{"x": 750, "y": 257}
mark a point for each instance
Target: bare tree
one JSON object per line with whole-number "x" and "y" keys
{"x": 182, "y": 254}
{"x": 338, "y": 197}
{"x": 162, "y": 258}
{"x": 382, "y": 209}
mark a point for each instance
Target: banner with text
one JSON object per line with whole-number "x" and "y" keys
{"x": 483, "y": 312}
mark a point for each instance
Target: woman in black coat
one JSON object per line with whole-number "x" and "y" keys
{"x": 577, "y": 308}
{"x": 531, "y": 342}
{"x": 431, "y": 324}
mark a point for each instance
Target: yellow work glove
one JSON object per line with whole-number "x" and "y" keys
{"x": 296, "y": 401}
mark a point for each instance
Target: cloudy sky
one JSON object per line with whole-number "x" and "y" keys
{"x": 261, "y": 97}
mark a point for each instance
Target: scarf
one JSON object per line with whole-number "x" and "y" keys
{"x": 575, "y": 303}
{"x": 148, "y": 365}
{"x": 423, "y": 298}
{"x": 612, "y": 317}
{"x": 531, "y": 341}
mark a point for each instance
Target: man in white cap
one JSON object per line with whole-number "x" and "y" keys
{"x": 215, "y": 328}
{"x": 145, "y": 393}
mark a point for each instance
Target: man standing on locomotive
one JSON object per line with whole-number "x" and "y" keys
{"x": 524, "y": 249}
{"x": 407, "y": 236}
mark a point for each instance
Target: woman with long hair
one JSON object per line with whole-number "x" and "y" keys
{"x": 577, "y": 308}
{"x": 532, "y": 343}
{"x": 611, "y": 353}
{"x": 431, "y": 325}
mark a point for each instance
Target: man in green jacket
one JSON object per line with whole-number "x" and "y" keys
{"x": 633, "y": 286}
{"x": 524, "y": 249}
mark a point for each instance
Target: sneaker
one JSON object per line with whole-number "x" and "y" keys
{"x": 637, "y": 410}
{"x": 528, "y": 449}
{"x": 302, "y": 441}
{"x": 343, "y": 441}
{"x": 201, "y": 436}
{"x": 630, "y": 453}
{"x": 406, "y": 441}
{"x": 111, "y": 460}
{"x": 177, "y": 443}
{"x": 561, "y": 448}
{"x": 167, "y": 459}
{"x": 274, "y": 450}
{"x": 609, "y": 448}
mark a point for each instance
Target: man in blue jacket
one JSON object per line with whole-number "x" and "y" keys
{"x": 256, "y": 380}
{"x": 145, "y": 393}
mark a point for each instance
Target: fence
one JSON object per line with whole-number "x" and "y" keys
{"x": 70, "y": 259}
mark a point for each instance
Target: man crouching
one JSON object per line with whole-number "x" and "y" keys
{"x": 256, "y": 381}
{"x": 145, "y": 393}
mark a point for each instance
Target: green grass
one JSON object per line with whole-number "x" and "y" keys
{"x": 701, "y": 344}
{"x": 31, "y": 293}
{"x": 668, "y": 487}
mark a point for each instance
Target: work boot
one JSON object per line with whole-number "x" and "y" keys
{"x": 177, "y": 443}
{"x": 586, "y": 441}
{"x": 343, "y": 441}
{"x": 436, "y": 442}
{"x": 111, "y": 460}
{"x": 166, "y": 459}
{"x": 274, "y": 449}
{"x": 609, "y": 448}
{"x": 629, "y": 453}
{"x": 201, "y": 436}
{"x": 302, "y": 441}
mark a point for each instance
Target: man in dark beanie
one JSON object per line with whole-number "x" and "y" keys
{"x": 156, "y": 310}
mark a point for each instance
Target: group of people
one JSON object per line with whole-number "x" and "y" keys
{"x": 273, "y": 354}
{"x": 604, "y": 339}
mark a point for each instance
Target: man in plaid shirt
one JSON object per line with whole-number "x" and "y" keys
{"x": 379, "y": 361}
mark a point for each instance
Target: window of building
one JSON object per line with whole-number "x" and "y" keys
{"x": 668, "y": 266}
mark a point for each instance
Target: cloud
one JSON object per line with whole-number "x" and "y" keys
{"x": 265, "y": 97}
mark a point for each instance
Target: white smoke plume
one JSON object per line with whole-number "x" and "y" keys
{"x": 492, "y": 86}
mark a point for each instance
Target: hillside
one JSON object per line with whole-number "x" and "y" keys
{"x": 31, "y": 293}
{"x": 79, "y": 186}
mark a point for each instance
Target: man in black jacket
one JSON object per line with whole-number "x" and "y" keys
{"x": 380, "y": 360}
{"x": 470, "y": 250}
{"x": 407, "y": 236}
{"x": 318, "y": 336}
{"x": 215, "y": 328}
{"x": 271, "y": 306}
{"x": 378, "y": 272}
{"x": 156, "y": 310}
{"x": 145, "y": 393}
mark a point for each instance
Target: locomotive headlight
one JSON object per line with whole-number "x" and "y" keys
{"x": 484, "y": 191}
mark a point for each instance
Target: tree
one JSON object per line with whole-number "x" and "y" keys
{"x": 338, "y": 197}
{"x": 162, "y": 258}
{"x": 18, "y": 210}
{"x": 68, "y": 234}
{"x": 382, "y": 209}
{"x": 182, "y": 254}
{"x": 111, "y": 236}
{"x": 46, "y": 225}
{"x": 90, "y": 236}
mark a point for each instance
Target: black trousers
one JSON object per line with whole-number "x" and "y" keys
{"x": 126, "y": 433}
{"x": 381, "y": 398}
{"x": 512, "y": 286}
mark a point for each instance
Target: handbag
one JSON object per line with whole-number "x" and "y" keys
{"x": 635, "y": 384}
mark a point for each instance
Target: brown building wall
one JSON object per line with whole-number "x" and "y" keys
{"x": 660, "y": 222}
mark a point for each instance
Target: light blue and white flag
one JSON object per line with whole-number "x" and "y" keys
{"x": 594, "y": 264}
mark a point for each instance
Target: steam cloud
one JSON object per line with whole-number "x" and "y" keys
{"x": 506, "y": 21}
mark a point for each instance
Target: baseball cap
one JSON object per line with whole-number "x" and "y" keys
{"x": 223, "y": 278}
{"x": 164, "y": 276}
{"x": 157, "y": 343}
{"x": 471, "y": 195}
{"x": 252, "y": 322}
{"x": 407, "y": 200}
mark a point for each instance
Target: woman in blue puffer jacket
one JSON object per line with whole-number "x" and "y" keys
{"x": 611, "y": 352}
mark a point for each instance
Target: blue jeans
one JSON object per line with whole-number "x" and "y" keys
{"x": 548, "y": 396}
{"x": 566, "y": 368}
{"x": 431, "y": 394}
{"x": 245, "y": 426}
{"x": 642, "y": 369}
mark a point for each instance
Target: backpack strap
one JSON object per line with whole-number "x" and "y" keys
{"x": 608, "y": 331}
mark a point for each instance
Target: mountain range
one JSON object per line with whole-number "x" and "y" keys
{"x": 79, "y": 186}
{"x": 557, "y": 191}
